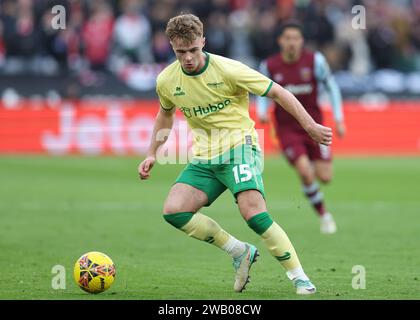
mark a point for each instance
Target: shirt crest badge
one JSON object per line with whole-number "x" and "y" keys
{"x": 305, "y": 74}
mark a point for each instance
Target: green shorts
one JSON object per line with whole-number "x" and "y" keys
{"x": 238, "y": 170}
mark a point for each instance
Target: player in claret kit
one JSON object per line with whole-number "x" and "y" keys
{"x": 300, "y": 71}
{"x": 213, "y": 94}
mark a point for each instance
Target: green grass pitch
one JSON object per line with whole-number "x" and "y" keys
{"x": 54, "y": 209}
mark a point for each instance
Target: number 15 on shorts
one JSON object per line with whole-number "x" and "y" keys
{"x": 242, "y": 173}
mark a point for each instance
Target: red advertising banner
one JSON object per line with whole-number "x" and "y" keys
{"x": 119, "y": 127}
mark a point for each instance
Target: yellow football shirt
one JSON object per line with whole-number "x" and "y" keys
{"x": 214, "y": 101}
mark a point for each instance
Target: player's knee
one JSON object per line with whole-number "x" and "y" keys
{"x": 325, "y": 178}
{"x": 250, "y": 203}
{"x": 251, "y": 209}
{"x": 172, "y": 207}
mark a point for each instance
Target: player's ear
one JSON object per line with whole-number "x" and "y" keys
{"x": 203, "y": 42}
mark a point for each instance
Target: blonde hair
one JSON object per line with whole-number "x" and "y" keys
{"x": 186, "y": 27}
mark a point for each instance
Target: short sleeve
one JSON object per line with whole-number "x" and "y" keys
{"x": 251, "y": 80}
{"x": 165, "y": 103}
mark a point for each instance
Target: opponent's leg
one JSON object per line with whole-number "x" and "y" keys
{"x": 324, "y": 173}
{"x": 323, "y": 170}
{"x": 253, "y": 209}
{"x": 306, "y": 172}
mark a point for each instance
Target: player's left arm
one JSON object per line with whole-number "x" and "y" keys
{"x": 292, "y": 105}
{"x": 323, "y": 75}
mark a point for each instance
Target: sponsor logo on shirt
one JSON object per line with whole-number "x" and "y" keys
{"x": 186, "y": 112}
{"x": 299, "y": 88}
{"x": 200, "y": 111}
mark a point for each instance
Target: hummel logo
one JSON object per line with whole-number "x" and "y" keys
{"x": 179, "y": 92}
{"x": 284, "y": 257}
{"x": 209, "y": 240}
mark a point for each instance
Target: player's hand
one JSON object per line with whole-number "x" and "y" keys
{"x": 145, "y": 167}
{"x": 340, "y": 128}
{"x": 320, "y": 134}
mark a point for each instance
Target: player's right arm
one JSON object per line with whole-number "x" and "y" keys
{"x": 161, "y": 130}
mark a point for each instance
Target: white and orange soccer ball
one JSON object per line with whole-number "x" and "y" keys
{"x": 94, "y": 272}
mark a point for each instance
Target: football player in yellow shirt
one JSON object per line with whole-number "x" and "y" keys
{"x": 213, "y": 93}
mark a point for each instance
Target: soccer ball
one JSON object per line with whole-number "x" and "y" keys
{"x": 94, "y": 272}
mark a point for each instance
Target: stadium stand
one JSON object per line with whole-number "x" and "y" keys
{"x": 110, "y": 44}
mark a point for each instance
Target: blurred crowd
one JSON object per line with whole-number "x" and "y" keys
{"x": 105, "y": 35}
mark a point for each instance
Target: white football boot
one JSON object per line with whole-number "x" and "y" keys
{"x": 242, "y": 266}
{"x": 304, "y": 287}
{"x": 328, "y": 225}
